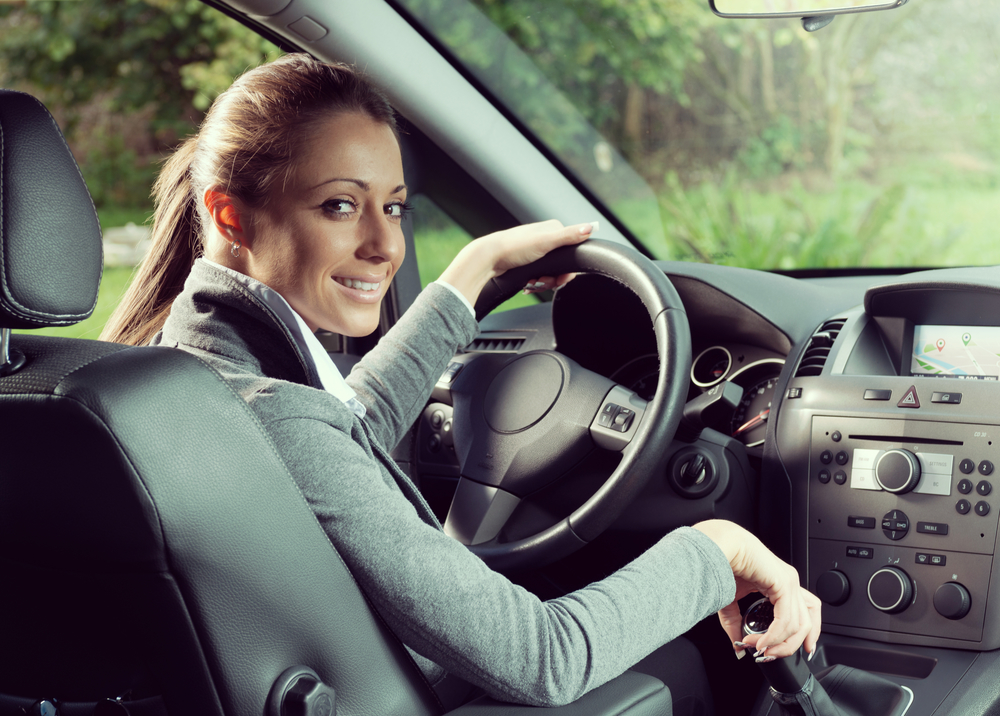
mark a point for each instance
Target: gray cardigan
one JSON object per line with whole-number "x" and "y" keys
{"x": 440, "y": 599}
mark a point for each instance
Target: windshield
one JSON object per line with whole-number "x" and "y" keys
{"x": 871, "y": 143}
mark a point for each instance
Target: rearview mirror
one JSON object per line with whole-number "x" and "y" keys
{"x": 798, "y": 8}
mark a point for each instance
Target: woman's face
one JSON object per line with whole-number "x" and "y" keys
{"x": 331, "y": 241}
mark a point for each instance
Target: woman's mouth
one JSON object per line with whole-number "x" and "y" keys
{"x": 357, "y": 284}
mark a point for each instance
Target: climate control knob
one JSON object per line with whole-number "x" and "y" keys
{"x": 890, "y": 590}
{"x": 833, "y": 587}
{"x": 952, "y": 600}
{"x": 897, "y": 471}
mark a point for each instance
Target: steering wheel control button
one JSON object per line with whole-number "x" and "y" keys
{"x": 623, "y": 420}
{"x": 965, "y": 486}
{"x": 985, "y": 467}
{"x": 963, "y": 507}
{"x": 842, "y": 458}
{"x": 984, "y": 488}
{"x": 833, "y": 588}
{"x": 608, "y": 414}
{"x": 897, "y": 471}
{"x": 873, "y": 394}
{"x": 794, "y": 393}
{"x": 950, "y": 398}
{"x": 840, "y": 477}
{"x": 890, "y": 590}
{"x": 952, "y": 600}
{"x": 826, "y": 457}
{"x": 966, "y": 466}
{"x": 932, "y": 528}
{"x": 836, "y": 437}
{"x": 982, "y": 508}
{"x": 895, "y": 525}
{"x": 865, "y": 523}
{"x": 824, "y": 476}
{"x": 909, "y": 399}
{"x": 860, "y": 552}
{"x": 451, "y": 372}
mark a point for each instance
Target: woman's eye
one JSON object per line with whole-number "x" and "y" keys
{"x": 340, "y": 207}
{"x": 398, "y": 209}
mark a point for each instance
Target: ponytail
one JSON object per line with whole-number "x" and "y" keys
{"x": 175, "y": 244}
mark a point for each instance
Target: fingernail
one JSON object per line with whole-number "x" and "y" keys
{"x": 811, "y": 655}
{"x": 590, "y": 228}
{"x": 740, "y": 653}
{"x": 765, "y": 659}
{"x": 760, "y": 652}
{"x": 741, "y": 645}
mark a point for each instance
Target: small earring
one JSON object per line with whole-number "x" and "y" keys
{"x": 234, "y": 248}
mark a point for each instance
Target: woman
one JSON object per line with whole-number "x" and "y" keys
{"x": 293, "y": 193}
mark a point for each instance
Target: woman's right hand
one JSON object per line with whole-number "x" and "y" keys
{"x": 756, "y": 569}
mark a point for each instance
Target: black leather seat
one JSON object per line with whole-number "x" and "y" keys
{"x": 152, "y": 545}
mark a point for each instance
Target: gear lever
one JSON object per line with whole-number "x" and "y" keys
{"x": 797, "y": 692}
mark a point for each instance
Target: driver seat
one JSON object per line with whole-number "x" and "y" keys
{"x": 154, "y": 550}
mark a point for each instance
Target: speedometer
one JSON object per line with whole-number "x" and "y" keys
{"x": 759, "y": 380}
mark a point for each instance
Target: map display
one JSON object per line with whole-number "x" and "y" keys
{"x": 969, "y": 352}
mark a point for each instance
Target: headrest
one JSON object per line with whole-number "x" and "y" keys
{"x": 50, "y": 238}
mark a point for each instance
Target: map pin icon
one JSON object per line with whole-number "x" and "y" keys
{"x": 966, "y": 338}
{"x": 940, "y": 344}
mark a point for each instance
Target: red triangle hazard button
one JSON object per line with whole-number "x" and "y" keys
{"x": 909, "y": 399}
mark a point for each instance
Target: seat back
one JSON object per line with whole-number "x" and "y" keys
{"x": 152, "y": 544}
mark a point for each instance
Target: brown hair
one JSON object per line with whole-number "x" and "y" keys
{"x": 247, "y": 145}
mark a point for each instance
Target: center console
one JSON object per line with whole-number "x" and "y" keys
{"x": 891, "y": 441}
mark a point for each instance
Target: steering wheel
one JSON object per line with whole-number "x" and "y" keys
{"x": 522, "y": 421}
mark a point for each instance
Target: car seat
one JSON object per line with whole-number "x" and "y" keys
{"x": 155, "y": 555}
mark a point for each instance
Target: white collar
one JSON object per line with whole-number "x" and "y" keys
{"x": 331, "y": 379}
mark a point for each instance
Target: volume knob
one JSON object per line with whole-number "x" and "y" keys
{"x": 897, "y": 471}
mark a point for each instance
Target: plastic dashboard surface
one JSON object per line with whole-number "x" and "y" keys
{"x": 893, "y": 452}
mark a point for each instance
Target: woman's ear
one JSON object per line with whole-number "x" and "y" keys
{"x": 225, "y": 214}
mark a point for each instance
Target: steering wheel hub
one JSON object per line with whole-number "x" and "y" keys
{"x": 523, "y": 393}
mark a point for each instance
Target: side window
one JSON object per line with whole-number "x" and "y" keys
{"x": 438, "y": 239}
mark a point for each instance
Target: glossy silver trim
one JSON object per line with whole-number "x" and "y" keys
{"x": 748, "y": 366}
{"x": 888, "y": 5}
{"x": 722, "y": 377}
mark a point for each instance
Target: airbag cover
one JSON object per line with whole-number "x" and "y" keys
{"x": 523, "y": 393}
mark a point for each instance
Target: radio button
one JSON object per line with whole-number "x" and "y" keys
{"x": 963, "y": 507}
{"x": 982, "y": 508}
{"x": 895, "y": 525}
{"x": 966, "y": 466}
{"x": 897, "y": 471}
{"x": 984, "y": 488}
{"x": 836, "y": 436}
{"x": 826, "y": 457}
{"x": 932, "y": 528}
{"x": 865, "y": 523}
{"x": 842, "y": 458}
{"x": 840, "y": 477}
{"x": 985, "y": 467}
{"x": 824, "y": 476}
{"x": 965, "y": 486}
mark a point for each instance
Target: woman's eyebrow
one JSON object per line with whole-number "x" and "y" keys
{"x": 359, "y": 182}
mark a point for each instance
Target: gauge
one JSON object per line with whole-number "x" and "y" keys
{"x": 758, "y": 380}
{"x": 640, "y": 375}
{"x": 711, "y": 366}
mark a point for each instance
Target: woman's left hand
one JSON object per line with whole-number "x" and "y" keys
{"x": 489, "y": 256}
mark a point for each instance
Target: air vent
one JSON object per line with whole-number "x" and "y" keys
{"x": 819, "y": 348}
{"x": 495, "y": 343}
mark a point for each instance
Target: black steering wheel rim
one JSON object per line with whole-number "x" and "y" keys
{"x": 662, "y": 414}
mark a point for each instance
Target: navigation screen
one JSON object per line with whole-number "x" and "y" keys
{"x": 969, "y": 352}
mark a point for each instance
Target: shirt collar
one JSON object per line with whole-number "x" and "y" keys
{"x": 331, "y": 379}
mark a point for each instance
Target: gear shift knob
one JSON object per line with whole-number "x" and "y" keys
{"x": 788, "y": 675}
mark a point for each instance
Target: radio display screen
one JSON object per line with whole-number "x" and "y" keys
{"x": 965, "y": 352}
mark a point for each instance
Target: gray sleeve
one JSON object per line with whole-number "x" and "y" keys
{"x": 396, "y": 377}
{"x": 447, "y": 605}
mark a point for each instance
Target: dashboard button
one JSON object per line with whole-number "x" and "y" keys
{"x": 840, "y": 477}
{"x": 824, "y": 476}
{"x": 872, "y": 394}
{"x": 985, "y": 467}
{"x": 932, "y": 528}
{"x": 833, "y": 587}
{"x": 895, "y": 524}
{"x": 952, "y": 600}
{"x": 836, "y": 437}
{"x": 860, "y": 552}
{"x": 826, "y": 457}
{"x": 963, "y": 507}
{"x": 890, "y": 590}
{"x": 982, "y": 508}
{"x": 965, "y": 486}
{"x": 984, "y": 488}
{"x": 951, "y": 398}
{"x": 966, "y": 466}
{"x": 867, "y": 523}
{"x": 842, "y": 458}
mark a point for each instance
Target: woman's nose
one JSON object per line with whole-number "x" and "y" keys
{"x": 383, "y": 238}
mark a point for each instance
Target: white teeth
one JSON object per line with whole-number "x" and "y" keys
{"x": 354, "y": 283}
